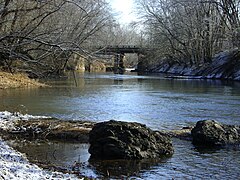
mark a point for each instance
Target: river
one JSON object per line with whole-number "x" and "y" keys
{"x": 152, "y": 100}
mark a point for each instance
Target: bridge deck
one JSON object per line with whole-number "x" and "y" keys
{"x": 121, "y": 49}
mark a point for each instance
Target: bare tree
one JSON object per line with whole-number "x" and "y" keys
{"x": 191, "y": 31}
{"x": 40, "y": 35}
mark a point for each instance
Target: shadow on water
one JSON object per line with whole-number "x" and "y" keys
{"x": 216, "y": 149}
{"x": 123, "y": 168}
{"x": 65, "y": 156}
{"x": 187, "y": 162}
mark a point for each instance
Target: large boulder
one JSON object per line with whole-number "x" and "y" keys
{"x": 123, "y": 140}
{"x": 213, "y": 133}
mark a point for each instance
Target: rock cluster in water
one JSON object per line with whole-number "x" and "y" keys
{"x": 213, "y": 133}
{"x": 122, "y": 140}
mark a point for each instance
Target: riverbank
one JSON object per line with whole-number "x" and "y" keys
{"x": 18, "y": 128}
{"x": 225, "y": 65}
{"x": 18, "y": 80}
{"x": 14, "y": 165}
{"x": 15, "y": 125}
{"x": 28, "y": 127}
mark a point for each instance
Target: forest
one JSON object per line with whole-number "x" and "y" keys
{"x": 39, "y": 36}
{"x": 192, "y": 31}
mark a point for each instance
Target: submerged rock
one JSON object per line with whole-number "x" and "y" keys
{"x": 183, "y": 133}
{"x": 213, "y": 133}
{"x": 123, "y": 140}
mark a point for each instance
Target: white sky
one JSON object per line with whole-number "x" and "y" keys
{"x": 124, "y": 9}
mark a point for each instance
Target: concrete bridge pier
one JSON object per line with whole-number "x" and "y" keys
{"x": 142, "y": 64}
{"x": 120, "y": 51}
{"x": 118, "y": 63}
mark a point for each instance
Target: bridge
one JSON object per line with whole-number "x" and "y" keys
{"x": 121, "y": 49}
{"x": 119, "y": 52}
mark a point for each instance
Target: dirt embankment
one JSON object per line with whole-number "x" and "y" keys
{"x": 224, "y": 65}
{"x": 51, "y": 129}
{"x": 54, "y": 129}
{"x": 8, "y": 80}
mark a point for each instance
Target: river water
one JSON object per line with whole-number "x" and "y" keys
{"x": 152, "y": 100}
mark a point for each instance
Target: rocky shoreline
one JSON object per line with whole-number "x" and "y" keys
{"x": 209, "y": 132}
{"x": 206, "y": 131}
{"x": 225, "y": 66}
{"x": 54, "y": 129}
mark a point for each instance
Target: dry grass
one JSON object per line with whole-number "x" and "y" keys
{"x": 8, "y": 80}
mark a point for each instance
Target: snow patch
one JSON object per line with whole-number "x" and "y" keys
{"x": 18, "y": 116}
{"x": 237, "y": 75}
{"x": 7, "y": 119}
{"x": 14, "y": 165}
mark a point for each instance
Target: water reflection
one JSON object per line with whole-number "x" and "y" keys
{"x": 189, "y": 163}
{"x": 186, "y": 163}
{"x": 62, "y": 154}
{"x": 160, "y": 103}
{"x": 122, "y": 168}
{"x": 66, "y": 155}
{"x": 157, "y": 102}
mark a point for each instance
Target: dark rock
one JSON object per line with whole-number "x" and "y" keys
{"x": 122, "y": 140}
{"x": 213, "y": 133}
